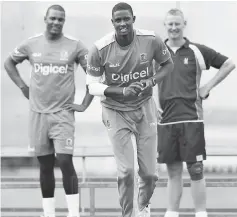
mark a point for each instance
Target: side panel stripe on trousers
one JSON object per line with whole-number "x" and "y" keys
{"x": 136, "y": 167}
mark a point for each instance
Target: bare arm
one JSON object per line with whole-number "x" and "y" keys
{"x": 160, "y": 74}
{"x": 12, "y": 71}
{"x": 85, "y": 103}
{"x": 163, "y": 70}
{"x": 223, "y": 72}
{"x": 88, "y": 97}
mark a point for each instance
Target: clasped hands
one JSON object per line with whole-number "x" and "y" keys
{"x": 137, "y": 88}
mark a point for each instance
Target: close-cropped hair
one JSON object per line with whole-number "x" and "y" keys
{"x": 55, "y": 7}
{"x": 175, "y": 12}
{"x": 122, "y": 6}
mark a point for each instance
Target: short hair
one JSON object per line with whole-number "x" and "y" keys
{"x": 55, "y": 7}
{"x": 175, "y": 12}
{"x": 122, "y": 6}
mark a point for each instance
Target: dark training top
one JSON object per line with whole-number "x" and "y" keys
{"x": 178, "y": 92}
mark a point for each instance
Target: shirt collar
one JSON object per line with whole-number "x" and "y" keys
{"x": 185, "y": 45}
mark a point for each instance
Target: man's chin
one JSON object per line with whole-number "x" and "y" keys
{"x": 171, "y": 36}
{"x": 54, "y": 33}
{"x": 122, "y": 33}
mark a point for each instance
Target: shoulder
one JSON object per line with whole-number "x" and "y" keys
{"x": 36, "y": 37}
{"x": 200, "y": 47}
{"x": 105, "y": 41}
{"x": 33, "y": 39}
{"x": 144, "y": 32}
{"x": 74, "y": 42}
{"x": 71, "y": 39}
{"x": 211, "y": 56}
{"x": 203, "y": 50}
{"x": 149, "y": 36}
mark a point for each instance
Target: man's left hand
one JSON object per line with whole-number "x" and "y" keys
{"x": 148, "y": 83}
{"x": 204, "y": 92}
{"x": 76, "y": 107}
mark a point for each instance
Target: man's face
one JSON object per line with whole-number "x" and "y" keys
{"x": 175, "y": 25}
{"x": 54, "y": 21}
{"x": 123, "y": 22}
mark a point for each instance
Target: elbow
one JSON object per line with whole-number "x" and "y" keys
{"x": 97, "y": 89}
{"x": 230, "y": 64}
{"x": 90, "y": 90}
{"x": 8, "y": 64}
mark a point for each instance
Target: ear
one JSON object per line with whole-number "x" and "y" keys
{"x": 185, "y": 22}
{"x": 134, "y": 18}
{"x": 45, "y": 19}
{"x": 112, "y": 21}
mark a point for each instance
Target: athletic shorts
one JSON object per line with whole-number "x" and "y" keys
{"x": 181, "y": 142}
{"x": 52, "y": 132}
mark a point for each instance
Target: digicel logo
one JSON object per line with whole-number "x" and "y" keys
{"x": 130, "y": 76}
{"x": 50, "y": 69}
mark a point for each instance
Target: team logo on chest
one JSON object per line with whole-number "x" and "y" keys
{"x": 64, "y": 55}
{"x": 143, "y": 58}
{"x": 186, "y": 61}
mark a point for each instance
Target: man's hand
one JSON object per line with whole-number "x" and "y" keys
{"x": 133, "y": 89}
{"x": 25, "y": 91}
{"x": 148, "y": 83}
{"x": 204, "y": 92}
{"x": 76, "y": 107}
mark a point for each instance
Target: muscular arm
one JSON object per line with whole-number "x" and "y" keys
{"x": 163, "y": 58}
{"x": 163, "y": 70}
{"x": 223, "y": 72}
{"x": 98, "y": 89}
{"x": 218, "y": 61}
{"x": 12, "y": 71}
{"x": 113, "y": 91}
{"x": 88, "y": 97}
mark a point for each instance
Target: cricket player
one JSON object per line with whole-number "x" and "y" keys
{"x": 52, "y": 88}
{"x": 181, "y": 130}
{"x": 120, "y": 72}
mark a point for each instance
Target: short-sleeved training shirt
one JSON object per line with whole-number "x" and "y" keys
{"x": 52, "y": 82}
{"x": 121, "y": 66}
{"x": 178, "y": 92}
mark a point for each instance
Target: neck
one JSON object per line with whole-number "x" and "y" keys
{"x": 176, "y": 42}
{"x": 125, "y": 40}
{"x": 52, "y": 37}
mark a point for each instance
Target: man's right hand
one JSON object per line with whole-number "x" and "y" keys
{"x": 25, "y": 91}
{"x": 133, "y": 89}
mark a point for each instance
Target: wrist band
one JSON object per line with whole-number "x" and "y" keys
{"x": 153, "y": 81}
{"x": 124, "y": 91}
